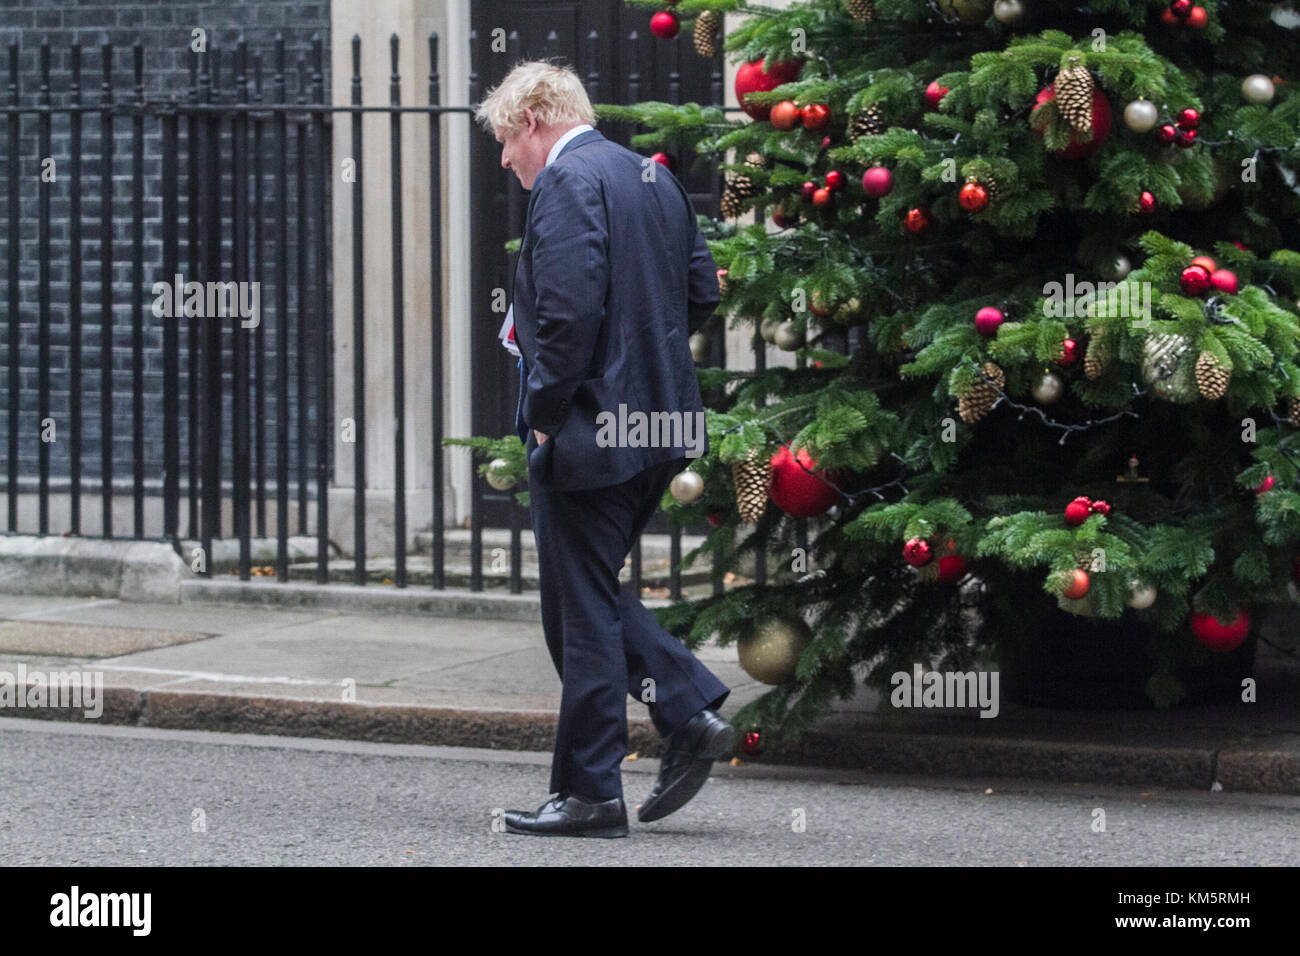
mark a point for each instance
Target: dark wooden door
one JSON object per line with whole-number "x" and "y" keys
{"x": 610, "y": 46}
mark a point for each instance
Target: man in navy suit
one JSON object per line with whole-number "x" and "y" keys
{"x": 612, "y": 278}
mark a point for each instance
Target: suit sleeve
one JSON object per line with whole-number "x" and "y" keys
{"x": 570, "y": 267}
{"x": 703, "y": 297}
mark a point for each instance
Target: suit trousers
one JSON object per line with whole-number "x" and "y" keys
{"x": 604, "y": 642}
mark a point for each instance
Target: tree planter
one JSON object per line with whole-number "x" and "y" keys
{"x": 1079, "y": 663}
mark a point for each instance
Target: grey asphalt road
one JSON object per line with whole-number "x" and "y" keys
{"x": 123, "y": 796}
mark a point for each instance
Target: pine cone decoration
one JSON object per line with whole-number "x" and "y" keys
{"x": 753, "y": 478}
{"x": 861, "y": 10}
{"x": 740, "y": 187}
{"x": 867, "y": 122}
{"x": 976, "y": 403}
{"x": 1293, "y": 410}
{"x": 1211, "y": 377}
{"x": 1100, "y": 351}
{"x": 708, "y": 26}
{"x": 730, "y": 203}
{"x": 1074, "y": 95}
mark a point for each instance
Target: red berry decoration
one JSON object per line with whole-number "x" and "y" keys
{"x": 1224, "y": 280}
{"x": 1186, "y": 138}
{"x": 666, "y": 161}
{"x": 1077, "y": 584}
{"x": 1220, "y": 636}
{"x": 973, "y": 197}
{"x": 783, "y": 218}
{"x": 917, "y": 552}
{"x": 834, "y": 180}
{"x": 1237, "y": 243}
{"x": 826, "y": 141}
{"x": 797, "y": 488}
{"x": 716, "y": 519}
{"x": 934, "y": 93}
{"x": 816, "y": 116}
{"x": 877, "y": 181}
{"x": 807, "y": 190}
{"x": 751, "y": 744}
{"x": 1167, "y": 133}
{"x": 1265, "y": 485}
{"x": 1189, "y": 118}
{"x": 1078, "y": 146}
{"x": 1197, "y": 18}
{"x": 1168, "y": 16}
{"x": 1101, "y": 508}
{"x": 988, "y": 320}
{"x": 1077, "y": 511}
{"x": 1195, "y": 280}
{"x": 750, "y": 78}
{"x": 915, "y": 220}
{"x": 1069, "y": 353}
{"x": 1146, "y": 202}
{"x": 785, "y": 115}
{"x": 665, "y": 24}
{"x": 822, "y": 198}
{"x": 1180, "y": 8}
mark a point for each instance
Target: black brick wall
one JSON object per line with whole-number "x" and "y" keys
{"x": 164, "y": 29}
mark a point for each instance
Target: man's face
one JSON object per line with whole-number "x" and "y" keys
{"x": 524, "y": 152}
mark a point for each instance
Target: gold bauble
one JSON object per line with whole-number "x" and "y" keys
{"x": 686, "y": 486}
{"x": 769, "y": 649}
{"x": 699, "y": 343}
{"x": 497, "y": 475}
{"x": 967, "y": 11}
{"x": 788, "y": 336}
{"x": 767, "y": 329}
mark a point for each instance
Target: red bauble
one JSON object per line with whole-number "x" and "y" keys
{"x": 877, "y": 181}
{"x": 951, "y": 568}
{"x": 794, "y": 490}
{"x": 1101, "y": 507}
{"x": 1077, "y": 511}
{"x": 1189, "y": 118}
{"x": 1205, "y": 262}
{"x": 816, "y": 116}
{"x": 1069, "y": 353}
{"x": 988, "y": 320}
{"x": 1237, "y": 243}
{"x": 819, "y": 304}
{"x": 716, "y": 519}
{"x": 1197, "y": 18}
{"x": 1078, "y": 146}
{"x": 915, "y": 220}
{"x": 750, "y": 78}
{"x": 784, "y": 115}
{"x": 1186, "y": 138}
{"x": 1195, "y": 279}
{"x": 834, "y": 180}
{"x": 666, "y": 161}
{"x": 917, "y": 552}
{"x": 807, "y": 190}
{"x": 1265, "y": 485}
{"x": 934, "y": 93}
{"x": 783, "y": 219}
{"x": 1078, "y": 584}
{"x": 1180, "y": 8}
{"x": 1224, "y": 280}
{"x": 1146, "y": 202}
{"x": 973, "y": 197}
{"x": 751, "y": 744}
{"x": 1219, "y": 636}
{"x": 822, "y": 198}
{"x": 1166, "y": 133}
{"x": 665, "y": 24}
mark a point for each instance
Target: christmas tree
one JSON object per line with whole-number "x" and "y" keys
{"x": 1036, "y": 262}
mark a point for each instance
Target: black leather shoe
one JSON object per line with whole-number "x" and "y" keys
{"x": 690, "y": 752}
{"x": 567, "y": 815}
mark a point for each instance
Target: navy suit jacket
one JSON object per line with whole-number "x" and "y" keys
{"x": 612, "y": 278}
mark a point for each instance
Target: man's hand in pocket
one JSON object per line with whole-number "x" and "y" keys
{"x": 541, "y": 439}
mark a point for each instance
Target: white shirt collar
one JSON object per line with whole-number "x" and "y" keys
{"x": 560, "y": 143}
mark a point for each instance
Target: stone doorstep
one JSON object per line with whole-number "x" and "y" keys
{"x": 1269, "y": 765}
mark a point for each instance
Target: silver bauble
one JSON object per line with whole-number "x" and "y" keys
{"x": 788, "y": 337}
{"x": 767, "y": 328}
{"x": 1049, "y": 388}
{"x": 1169, "y": 367}
{"x": 1008, "y": 11}
{"x": 1257, "y": 88}
{"x": 699, "y": 347}
{"x": 1140, "y": 595}
{"x": 686, "y": 486}
{"x": 497, "y": 475}
{"x": 1119, "y": 269}
{"x": 1141, "y": 115}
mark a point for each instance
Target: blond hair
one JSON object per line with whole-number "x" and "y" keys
{"x": 552, "y": 91}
